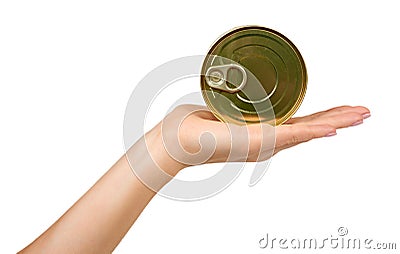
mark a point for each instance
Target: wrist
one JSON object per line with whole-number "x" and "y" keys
{"x": 150, "y": 161}
{"x": 159, "y": 154}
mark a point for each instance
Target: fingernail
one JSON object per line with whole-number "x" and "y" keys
{"x": 330, "y": 134}
{"x": 366, "y": 115}
{"x": 357, "y": 123}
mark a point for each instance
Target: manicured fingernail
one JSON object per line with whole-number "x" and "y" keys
{"x": 330, "y": 134}
{"x": 366, "y": 115}
{"x": 357, "y": 123}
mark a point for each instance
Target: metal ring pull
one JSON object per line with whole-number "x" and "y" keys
{"x": 216, "y": 77}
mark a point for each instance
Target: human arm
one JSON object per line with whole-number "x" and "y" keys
{"x": 98, "y": 221}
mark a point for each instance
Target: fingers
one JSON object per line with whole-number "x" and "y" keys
{"x": 345, "y": 109}
{"x": 338, "y": 117}
{"x": 291, "y": 135}
{"x": 359, "y": 110}
{"x": 331, "y": 112}
{"x": 340, "y": 120}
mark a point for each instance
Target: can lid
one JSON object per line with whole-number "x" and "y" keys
{"x": 258, "y": 70}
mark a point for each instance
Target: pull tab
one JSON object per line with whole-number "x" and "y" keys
{"x": 216, "y": 77}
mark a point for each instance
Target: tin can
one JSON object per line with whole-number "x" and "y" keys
{"x": 253, "y": 74}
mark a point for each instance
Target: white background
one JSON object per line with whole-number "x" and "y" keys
{"x": 67, "y": 70}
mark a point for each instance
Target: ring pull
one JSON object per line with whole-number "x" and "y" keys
{"x": 216, "y": 77}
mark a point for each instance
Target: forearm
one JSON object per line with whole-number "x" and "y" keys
{"x": 98, "y": 221}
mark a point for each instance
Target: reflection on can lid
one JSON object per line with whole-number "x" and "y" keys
{"x": 242, "y": 61}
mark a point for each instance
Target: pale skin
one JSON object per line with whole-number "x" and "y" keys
{"x": 99, "y": 220}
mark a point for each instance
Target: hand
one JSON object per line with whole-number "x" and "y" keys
{"x": 192, "y": 135}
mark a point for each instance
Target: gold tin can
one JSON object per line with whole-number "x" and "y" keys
{"x": 253, "y": 74}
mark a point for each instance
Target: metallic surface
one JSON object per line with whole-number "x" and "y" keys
{"x": 258, "y": 70}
